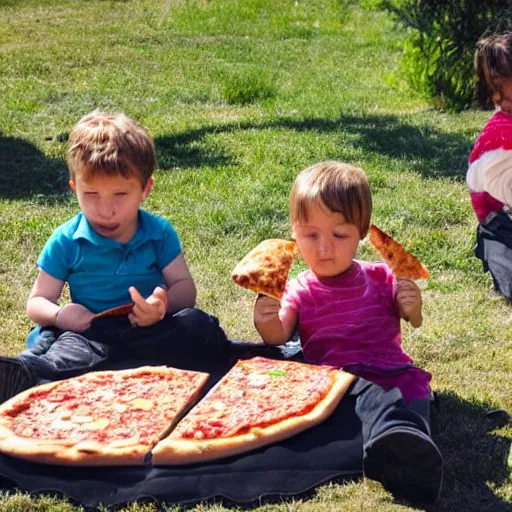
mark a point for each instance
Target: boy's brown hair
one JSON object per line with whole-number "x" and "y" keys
{"x": 493, "y": 62}
{"x": 110, "y": 145}
{"x": 340, "y": 187}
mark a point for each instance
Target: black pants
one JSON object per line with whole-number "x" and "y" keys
{"x": 188, "y": 339}
{"x": 494, "y": 248}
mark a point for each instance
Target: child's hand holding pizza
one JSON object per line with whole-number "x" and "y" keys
{"x": 266, "y": 309}
{"x": 408, "y": 298}
{"x": 74, "y": 317}
{"x": 148, "y": 311}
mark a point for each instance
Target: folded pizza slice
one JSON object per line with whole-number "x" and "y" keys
{"x": 100, "y": 418}
{"x": 258, "y": 402}
{"x": 402, "y": 263}
{"x": 124, "y": 309}
{"x": 265, "y": 268}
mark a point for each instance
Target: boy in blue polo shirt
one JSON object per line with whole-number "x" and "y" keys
{"x": 111, "y": 253}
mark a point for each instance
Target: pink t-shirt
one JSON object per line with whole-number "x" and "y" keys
{"x": 348, "y": 319}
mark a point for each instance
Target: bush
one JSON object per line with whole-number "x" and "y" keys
{"x": 440, "y": 44}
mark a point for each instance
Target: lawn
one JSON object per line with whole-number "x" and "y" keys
{"x": 240, "y": 96}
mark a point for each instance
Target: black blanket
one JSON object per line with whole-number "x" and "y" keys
{"x": 291, "y": 468}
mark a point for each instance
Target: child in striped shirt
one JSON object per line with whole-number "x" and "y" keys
{"x": 348, "y": 315}
{"x": 489, "y": 175}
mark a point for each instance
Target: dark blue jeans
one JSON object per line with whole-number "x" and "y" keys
{"x": 188, "y": 339}
{"x": 494, "y": 248}
{"x": 380, "y": 411}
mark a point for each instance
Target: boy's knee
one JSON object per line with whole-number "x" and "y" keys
{"x": 195, "y": 319}
{"x": 196, "y": 322}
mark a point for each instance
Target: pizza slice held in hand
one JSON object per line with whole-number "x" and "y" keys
{"x": 402, "y": 263}
{"x": 265, "y": 269}
{"x": 125, "y": 309}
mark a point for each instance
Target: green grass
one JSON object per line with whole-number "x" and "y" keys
{"x": 240, "y": 96}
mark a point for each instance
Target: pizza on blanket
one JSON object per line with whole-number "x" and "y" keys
{"x": 100, "y": 418}
{"x": 265, "y": 268}
{"x": 122, "y": 417}
{"x": 258, "y": 402}
{"x": 401, "y": 262}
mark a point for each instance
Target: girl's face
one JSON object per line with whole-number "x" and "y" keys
{"x": 504, "y": 97}
{"x": 111, "y": 204}
{"x": 327, "y": 243}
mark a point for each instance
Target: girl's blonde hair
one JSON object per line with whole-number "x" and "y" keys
{"x": 493, "y": 63}
{"x": 110, "y": 145}
{"x": 340, "y": 187}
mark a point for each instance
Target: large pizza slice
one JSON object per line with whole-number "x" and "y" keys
{"x": 402, "y": 263}
{"x": 265, "y": 268}
{"x": 258, "y": 402}
{"x": 100, "y": 418}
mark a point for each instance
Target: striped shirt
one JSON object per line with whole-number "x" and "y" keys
{"x": 489, "y": 175}
{"x": 348, "y": 319}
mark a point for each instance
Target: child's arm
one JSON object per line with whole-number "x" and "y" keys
{"x": 181, "y": 290}
{"x": 181, "y": 294}
{"x": 43, "y": 308}
{"x": 272, "y": 329}
{"x": 408, "y": 298}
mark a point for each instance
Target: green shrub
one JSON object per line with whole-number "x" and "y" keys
{"x": 440, "y": 44}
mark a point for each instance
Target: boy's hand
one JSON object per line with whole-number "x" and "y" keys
{"x": 74, "y": 317}
{"x": 408, "y": 298}
{"x": 148, "y": 311}
{"x": 266, "y": 309}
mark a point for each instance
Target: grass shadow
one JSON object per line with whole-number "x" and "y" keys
{"x": 475, "y": 456}
{"x": 426, "y": 150}
{"x": 25, "y": 172}
{"x": 188, "y": 149}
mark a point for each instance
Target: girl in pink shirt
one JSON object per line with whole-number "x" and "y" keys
{"x": 347, "y": 312}
{"x": 489, "y": 175}
{"x": 348, "y": 315}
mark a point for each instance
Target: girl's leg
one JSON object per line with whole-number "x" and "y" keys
{"x": 398, "y": 450}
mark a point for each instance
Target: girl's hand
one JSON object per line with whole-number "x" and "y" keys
{"x": 148, "y": 311}
{"x": 408, "y": 298}
{"x": 266, "y": 309}
{"x": 74, "y": 317}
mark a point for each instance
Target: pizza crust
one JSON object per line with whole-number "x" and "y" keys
{"x": 84, "y": 453}
{"x": 173, "y": 451}
{"x": 124, "y": 309}
{"x": 81, "y": 453}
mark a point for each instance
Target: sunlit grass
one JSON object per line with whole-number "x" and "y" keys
{"x": 240, "y": 96}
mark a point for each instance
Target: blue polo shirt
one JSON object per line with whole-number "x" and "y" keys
{"x": 100, "y": 270}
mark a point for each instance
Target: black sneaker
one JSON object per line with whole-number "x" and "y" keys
{"x": 407, "y": 463}
{"x": 15, "y": 377}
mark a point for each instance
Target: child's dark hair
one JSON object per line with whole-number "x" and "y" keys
{"x": 493, "y": 62}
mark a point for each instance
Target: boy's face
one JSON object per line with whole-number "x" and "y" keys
{"x": 111, "y": 204}
{"x": 327, "y": 243}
